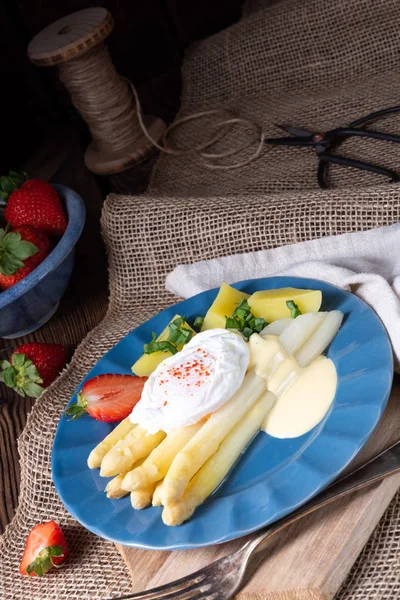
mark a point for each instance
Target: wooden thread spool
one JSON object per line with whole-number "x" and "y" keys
{"x": 101, "y": 96}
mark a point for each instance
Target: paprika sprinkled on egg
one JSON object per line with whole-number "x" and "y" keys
{"x": 198, "y": 380}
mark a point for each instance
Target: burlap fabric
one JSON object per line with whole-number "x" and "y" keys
{"x": 304, "y": 62}
{"x": 146, "y": 237}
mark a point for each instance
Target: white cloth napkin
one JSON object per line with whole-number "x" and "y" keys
{"x": 367, "y": 263}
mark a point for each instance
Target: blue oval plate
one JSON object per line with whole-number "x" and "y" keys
{"x": 274, "y": 476}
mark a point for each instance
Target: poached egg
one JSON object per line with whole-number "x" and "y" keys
{"x": 194, "y": 382}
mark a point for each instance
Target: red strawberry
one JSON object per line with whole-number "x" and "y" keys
{"x": 31, "y": 365}
{"x": 33, "y": 202}
{"x": 21, "y": 250}
{"x": 45, "y": 548}
{"x": 108, "y": 397}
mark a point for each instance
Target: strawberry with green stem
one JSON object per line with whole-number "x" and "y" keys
{"x": 32, "y": 202}
{"x": 45, "y": 548}
{"x": 9, "y": 183}
{"x": 21, "y": 251}
{"x": 32, "y": 367}
{"x": 14, "y": 250}
{"x": 22, "y": 376}
{"x": 109, "y": 397}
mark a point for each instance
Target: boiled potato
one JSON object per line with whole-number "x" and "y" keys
{"x": 223, "y": 306}
{"x": 147, "y": 363}
{"x": 271, "y": 304}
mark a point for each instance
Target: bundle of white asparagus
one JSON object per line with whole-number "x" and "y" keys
{"x": 181, "y": 469}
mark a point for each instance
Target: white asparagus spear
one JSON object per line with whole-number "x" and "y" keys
{"x": 300, "y": 330}
{"x": 217, "y": 467}
{"x": 156, "y": 501}
{"x": 134, "y": 446}
{"x": 114, "y": 489}
{"x": 99, "y": 452}
{"x": 320, "y": 339}
{"x": 142, "y": 498}
{"x": 276, "y": 327}
{"x": 206, "y": 441}
{"x": 156, "y": 465}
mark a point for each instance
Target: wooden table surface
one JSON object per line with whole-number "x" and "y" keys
{"x": 81, "y": 308}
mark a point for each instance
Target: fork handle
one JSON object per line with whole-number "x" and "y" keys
{"x": 385, "y": 464}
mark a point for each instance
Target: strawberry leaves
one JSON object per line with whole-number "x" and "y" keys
{"x": 10, "y": 183}
{"x": 44, "y": 560}
{"x": 21, "y": 375}
{"x": 76, "y": 410}
{"x": 45, "y": 548}
{"x": 13, "y": 251}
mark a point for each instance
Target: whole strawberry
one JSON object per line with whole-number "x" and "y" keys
{"x": 32, "y": 367}
{"x": 32, "y": 202}
{"x": 21, "y": 250}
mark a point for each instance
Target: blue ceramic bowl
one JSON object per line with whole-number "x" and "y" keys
{"x": 32, "y": 301}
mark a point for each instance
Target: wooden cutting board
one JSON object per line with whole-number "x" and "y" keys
{"x": 307, "y": 561}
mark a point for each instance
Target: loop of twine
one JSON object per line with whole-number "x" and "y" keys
{"x": 104, "y": 99}
{"x": 199, "y": 150}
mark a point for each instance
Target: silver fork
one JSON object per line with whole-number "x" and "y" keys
{"x": 221, "y": 579}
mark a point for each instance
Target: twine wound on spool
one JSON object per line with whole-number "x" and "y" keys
{"x": 121, "y": 135}
{"x": 103, "y": 99}
{"x": 101, "y": 96}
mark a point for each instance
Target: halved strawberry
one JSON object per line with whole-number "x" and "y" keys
{"x": 45, "y": 548}
{"x": 108, "y": 398}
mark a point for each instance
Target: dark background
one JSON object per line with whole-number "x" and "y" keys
{"x": 41, "y": 132}
{"x": 147, "y": 45}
